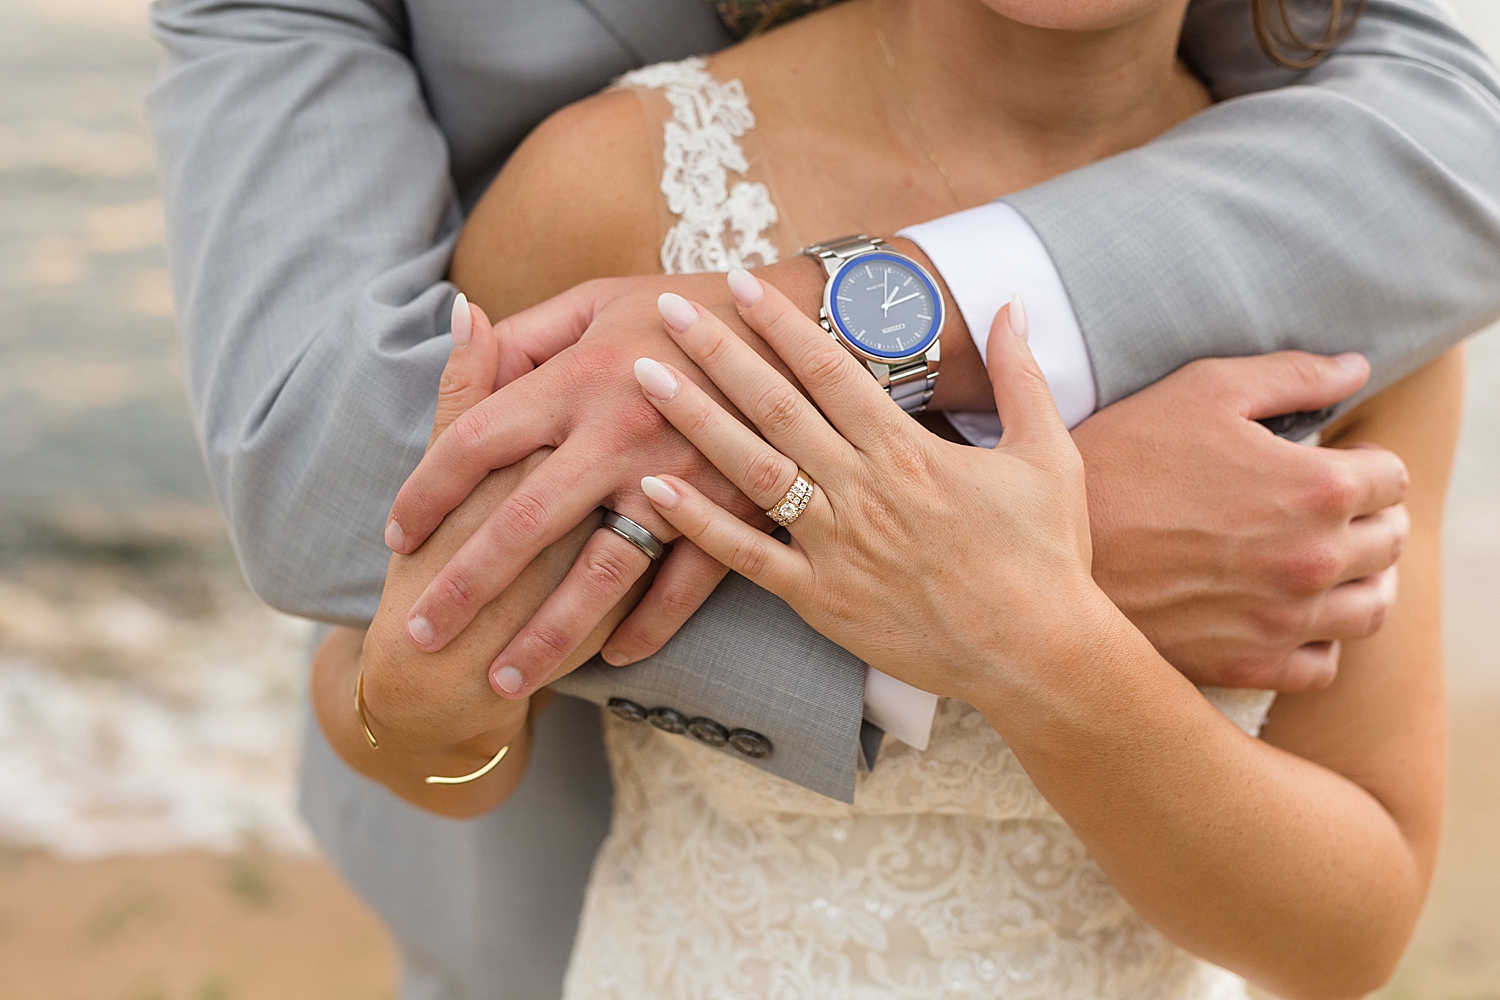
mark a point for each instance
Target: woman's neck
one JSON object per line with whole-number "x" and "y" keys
{"x": 984, "y": 88}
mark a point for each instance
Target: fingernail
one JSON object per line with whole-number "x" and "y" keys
{"x": 745, "y": 287}
{"x": 659, "y": 493}
{"x": 659, "y": 383}
{"x": 1352, "y": 363}
{"x": 420, "y": 630}
{"x": 462, "y": 323}
{"x": 395, "y": 538}
{"x": 676, "y": 310}
{"x": 509, "y": 680}
{"x": 615, "y": 659}
{"x": 1018, "y": 324}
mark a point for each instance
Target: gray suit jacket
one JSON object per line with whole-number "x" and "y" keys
{"x": 316, "y": 157}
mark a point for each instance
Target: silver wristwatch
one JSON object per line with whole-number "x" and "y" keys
{"x": 887, "y": 310}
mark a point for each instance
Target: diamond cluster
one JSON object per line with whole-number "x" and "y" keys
{"x": 794, "y": 503}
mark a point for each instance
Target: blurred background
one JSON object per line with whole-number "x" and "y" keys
{"x": 149, "y": 704}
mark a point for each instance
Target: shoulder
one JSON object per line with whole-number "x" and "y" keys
{"x": 577, "y": 200}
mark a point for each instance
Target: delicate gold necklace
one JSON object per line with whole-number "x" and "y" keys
{"x": 911, "y": 116}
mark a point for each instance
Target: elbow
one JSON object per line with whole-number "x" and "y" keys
{"x": 1347, "y": 966}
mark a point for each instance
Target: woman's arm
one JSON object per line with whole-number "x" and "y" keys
{"x": 559, "y": 213}
{"x": 966, "y": 572}
{"x": 1301, "y": 860}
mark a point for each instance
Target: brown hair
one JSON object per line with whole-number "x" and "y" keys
{"x": 1278, "y": 29}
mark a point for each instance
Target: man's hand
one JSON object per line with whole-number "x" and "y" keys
{"x": 1243, "y": 557}
{"x": 583, "y": 402}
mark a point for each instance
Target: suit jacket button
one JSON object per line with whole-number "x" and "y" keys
{"x": 708, "y": 731}
{"x": 627, "y": 709}
{"x": 750, "y": 743}
{"x": 668, "y": 720}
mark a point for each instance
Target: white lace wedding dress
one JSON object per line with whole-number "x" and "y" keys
{"x": 949, "y": 875}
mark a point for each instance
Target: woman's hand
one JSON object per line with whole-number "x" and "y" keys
{"x": 931, "y": 561}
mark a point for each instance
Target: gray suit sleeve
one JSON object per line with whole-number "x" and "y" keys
{"x": 308, "y": 277}
{"x": 1352, "y": 207}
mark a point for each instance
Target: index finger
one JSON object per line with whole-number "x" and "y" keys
{"x": 498, "y": 431}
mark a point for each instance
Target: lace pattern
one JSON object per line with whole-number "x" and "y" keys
{"x": 949, "y": 875}
{"x": 719, "y": 227}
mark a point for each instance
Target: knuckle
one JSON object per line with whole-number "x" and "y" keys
{"x": 1313, "y": 569}
{"x": 471, "y": 430}
{"x": 677, "y": 604}
{"x": 714, "y": 347}
{"x": 456, "y": 589}
{"x": 767, "y": 474}
{"x": 549, "y": 640}
{"x": 824, "y": 368}
{"x": 747, "y": 559}
{"x": 522, "y": 514}
{"x": 1332, "y": 493}
{"x": 607, "y": 572}
{"x": 777, "y": 408}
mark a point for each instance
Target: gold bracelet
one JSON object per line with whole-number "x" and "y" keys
{"x": 359, "y": 709}
{"x": 431, "y": 779}
{"x": 434, "y": 779}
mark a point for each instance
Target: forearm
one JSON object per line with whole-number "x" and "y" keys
{"x": 1354, "y": 209}
{"x": 1262, "y": 862}
{"x": 308, "y": 281}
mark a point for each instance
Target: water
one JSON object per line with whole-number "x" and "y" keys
{"x": 147, "y": 701}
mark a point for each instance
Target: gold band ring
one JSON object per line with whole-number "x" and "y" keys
{"x": 431, "y": 779}
{"x": 794, "y": 503}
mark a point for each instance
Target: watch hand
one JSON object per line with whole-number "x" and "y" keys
{"x": 901, "y": 300}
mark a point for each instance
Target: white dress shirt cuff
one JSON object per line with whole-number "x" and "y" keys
{"x": 986, "y": 255}
{"x": 900, "y": 709}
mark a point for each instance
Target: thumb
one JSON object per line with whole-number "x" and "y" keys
{"x": 1293, "y": 381}
{"x": 469, "y": 376}
{"x": 1022, "y": 398}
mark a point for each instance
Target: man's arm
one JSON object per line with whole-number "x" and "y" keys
{"x": 1351, "y": 207}
{"x": 308, "y": 273}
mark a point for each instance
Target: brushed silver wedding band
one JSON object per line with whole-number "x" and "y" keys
{"x": 633, "y": 533}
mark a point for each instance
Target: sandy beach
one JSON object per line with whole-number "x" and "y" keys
{"x": 149, "y": 703}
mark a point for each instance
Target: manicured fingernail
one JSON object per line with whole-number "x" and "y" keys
{"x": 1018, "y": 324}
{"x": 659, "y": 383}
{"x": 420, "y": 630}
{"x": 615, "y": 659}
{"x": 509, "y": 680}
{"x": 462, "y": 323}
{"x": 745, "y": 287}
{"x": 395, "y": 538}
{"x": 659, "y": 493}
{"x": 1352, "y": 363}
{"x": 676, "y": 310}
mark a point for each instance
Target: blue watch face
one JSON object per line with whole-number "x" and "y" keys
{"x": 885, "y": 306}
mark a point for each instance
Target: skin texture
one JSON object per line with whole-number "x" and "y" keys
{"x": 1301, "y": 860}
{"x": 1004, "y": 104}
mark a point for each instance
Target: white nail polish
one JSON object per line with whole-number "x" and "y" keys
{"x": 659, "y": 383}
{"x": 1018, "y": 324}
{"x": 676, "y": 310}
{"x": 1352, "y": 363}
{"x": 395, "y": 538}
{"x": 659, "y": 493}
{"x": 509, "y": 680}
{"x": 462, "y": 323}
{"x": 745, "y": 287}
